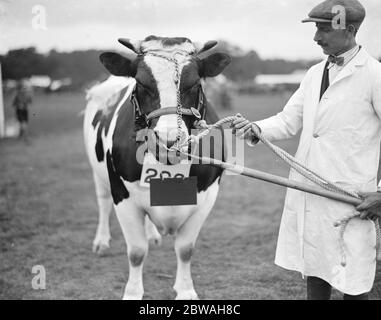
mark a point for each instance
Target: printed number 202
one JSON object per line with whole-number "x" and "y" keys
{"x": 153, "y": 173}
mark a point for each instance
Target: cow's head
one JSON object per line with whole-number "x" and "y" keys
{"x": 159, "y": 64}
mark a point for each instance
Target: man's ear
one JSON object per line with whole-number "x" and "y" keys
{"x": 352, "y": 29}
{"x": 118, "y": 65}
{"x": 213, "y": 65}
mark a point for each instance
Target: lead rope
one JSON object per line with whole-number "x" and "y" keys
{"x": 300, "y": 168}
{"x": 178, "y": 105}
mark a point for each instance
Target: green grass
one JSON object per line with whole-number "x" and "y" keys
{"x": 48, "y": 216}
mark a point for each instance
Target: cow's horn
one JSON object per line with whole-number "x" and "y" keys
{"x": 207, "y": 46}
{"x": 130, "y": 44}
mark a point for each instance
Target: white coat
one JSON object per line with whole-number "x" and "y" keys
{"x": 340, "y": 140}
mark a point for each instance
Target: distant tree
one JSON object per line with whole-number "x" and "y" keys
{"x": 247, "y": 65}
{"x": 22, "y": 63}
{"x": 280, "y": 66}
{"x": 81, "y": 66}
{"x": 244, "y": 65}
{"x": 244, "y": 68}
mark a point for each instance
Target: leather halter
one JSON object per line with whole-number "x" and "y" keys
{"x": 144, "y": 120}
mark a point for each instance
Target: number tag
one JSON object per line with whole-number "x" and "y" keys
{"x": 152, "y": 169}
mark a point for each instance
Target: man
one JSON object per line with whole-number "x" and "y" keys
{"x": 338, "y": 107}
{"x": 21, "y": 103}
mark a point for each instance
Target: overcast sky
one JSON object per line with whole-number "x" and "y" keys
{"x": 271, "y": 27}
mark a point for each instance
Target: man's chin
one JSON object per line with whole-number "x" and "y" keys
{"x": 325, "y": 49}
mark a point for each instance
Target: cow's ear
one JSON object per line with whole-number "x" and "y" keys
{"x": 118, "y": 65}
{"x": 213, "y": 65}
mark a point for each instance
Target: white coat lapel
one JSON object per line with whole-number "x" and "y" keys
{"x": 350, "y": 68}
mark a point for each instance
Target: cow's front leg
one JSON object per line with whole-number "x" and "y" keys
{"x": 131, "y": 220}
{"x": 184, "y": 246}
{"x": 102, "y": 238}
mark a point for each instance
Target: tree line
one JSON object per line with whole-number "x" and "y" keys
{"x": 83, "y": 67}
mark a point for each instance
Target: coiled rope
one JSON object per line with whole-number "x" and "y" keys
{"x": 298, "y": 167}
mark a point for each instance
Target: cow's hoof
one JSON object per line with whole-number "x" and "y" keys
{"x": 187, "y": 295}
{"x": 101, "y": 249}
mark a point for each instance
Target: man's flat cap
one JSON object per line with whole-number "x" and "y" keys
{"x": 325, "y": 11}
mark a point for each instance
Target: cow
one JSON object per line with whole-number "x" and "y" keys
{"x": 140, "y": 94}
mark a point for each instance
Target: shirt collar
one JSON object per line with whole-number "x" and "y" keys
{"x": 348, "y": 56}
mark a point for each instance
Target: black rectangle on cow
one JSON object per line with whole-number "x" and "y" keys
{"x": 173, "y": 191}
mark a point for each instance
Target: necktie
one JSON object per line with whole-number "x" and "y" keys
{"x": 324, "y": 80}
{"x": 337, "y": 60}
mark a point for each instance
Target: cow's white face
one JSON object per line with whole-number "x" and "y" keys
{"x": 164, "y": 74}
{"x": 155, "y": 74}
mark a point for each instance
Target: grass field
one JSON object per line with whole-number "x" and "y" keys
{"x": 48, "y": 217}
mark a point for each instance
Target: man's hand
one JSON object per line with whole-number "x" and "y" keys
{"x": 370, "y": 208}
{"x": 242, "y": 128}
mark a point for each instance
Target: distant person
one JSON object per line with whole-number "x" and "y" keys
{"x": 338, "y": 108}
{"x": 21, "y": 104}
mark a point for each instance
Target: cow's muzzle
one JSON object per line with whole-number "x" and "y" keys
{"x": 163, "y": 146}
